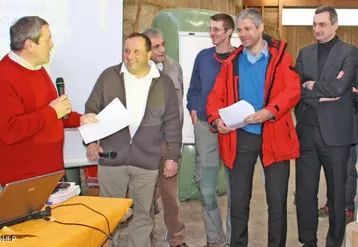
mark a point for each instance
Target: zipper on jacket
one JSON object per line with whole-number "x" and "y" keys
{"x": 271, "y": 85}
{"x": 288, "y": 128}
{"x": 129, "y": 152}
{"x": 227, "y": 91}
{"x": 125, "y": 105}
{"x": 227, "y": 100}
{"x": 274, "y": 74}
{"x": 146, "y": 103}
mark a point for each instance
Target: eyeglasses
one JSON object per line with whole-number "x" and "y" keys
{"x": 215, "y": 30}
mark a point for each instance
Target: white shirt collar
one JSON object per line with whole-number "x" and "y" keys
{"x": 153, "y": 72}
{"x": 160, "y": 66}
{"x": 264, "y": 51}
{"x": 16, "y": 58}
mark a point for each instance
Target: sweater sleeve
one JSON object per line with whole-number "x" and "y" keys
{"x": 17, "y": 125}
{"x": 73, "y": 120}
{"x": 171, "y": 122}
{"x": 195, "y": 87}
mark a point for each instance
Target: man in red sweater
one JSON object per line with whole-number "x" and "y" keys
{"x": 31, "y": 128}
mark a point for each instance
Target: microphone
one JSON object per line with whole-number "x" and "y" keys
{"x": 32, "y": 216}
{"x": 60, "y": 84}
{"x": 109, "y": 155}
{"x": 42, "y": 214}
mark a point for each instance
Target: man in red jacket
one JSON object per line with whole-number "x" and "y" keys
{"x": 269, "y": 83}
{"x": 31, "y": 125}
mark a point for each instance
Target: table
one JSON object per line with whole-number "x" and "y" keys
{"x": 52, "y": 234}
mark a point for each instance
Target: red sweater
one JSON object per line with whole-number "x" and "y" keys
{"x": 31, "y": 136}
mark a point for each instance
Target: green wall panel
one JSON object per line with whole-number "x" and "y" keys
{"x": 188, "y": 188}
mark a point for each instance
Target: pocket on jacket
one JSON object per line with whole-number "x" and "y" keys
{"x": 153, "y": 116}
{"x": 285, "y": 140}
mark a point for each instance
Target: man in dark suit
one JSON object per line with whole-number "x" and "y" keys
{"x": 325, "y": 127}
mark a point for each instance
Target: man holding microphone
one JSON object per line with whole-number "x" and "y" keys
{"x": 31, "y": 125}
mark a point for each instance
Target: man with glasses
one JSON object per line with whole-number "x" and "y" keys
{"x": 206, "y": 68}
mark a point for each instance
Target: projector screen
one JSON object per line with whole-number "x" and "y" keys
{"x": 88, "y": 38}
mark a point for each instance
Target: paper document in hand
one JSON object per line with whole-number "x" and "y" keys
{"x": 234, "y": 115}
{"x": 112, "y": 119}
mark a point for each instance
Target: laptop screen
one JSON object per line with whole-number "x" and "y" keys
{"x": 21, "y": 198}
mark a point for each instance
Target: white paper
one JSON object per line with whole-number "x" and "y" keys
{"x": 234, "y": 115}
{"x": 112, "y": 119}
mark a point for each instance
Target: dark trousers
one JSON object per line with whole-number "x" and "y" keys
{"x": 276, "y": 185}
{"x": 314, "y": 152}
{"x": 351, "y": 183}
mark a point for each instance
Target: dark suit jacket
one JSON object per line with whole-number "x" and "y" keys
{"x": 337, "y": 119}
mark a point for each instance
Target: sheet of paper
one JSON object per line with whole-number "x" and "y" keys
{"x": 234, "y": 115}
{"x": 112, "y": 118}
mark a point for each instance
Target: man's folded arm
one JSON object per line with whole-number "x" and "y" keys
{"x": 338, "y": 87}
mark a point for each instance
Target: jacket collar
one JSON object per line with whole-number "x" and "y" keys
{"x": 275, "y": 48}
{"x": 167, "y": 63}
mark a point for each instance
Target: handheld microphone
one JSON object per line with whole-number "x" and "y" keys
{"x": 60, "y": 84}
{"x": 34, "y": 215}
{"x": 108, "y": 155}
{"x": 42, "y": 214}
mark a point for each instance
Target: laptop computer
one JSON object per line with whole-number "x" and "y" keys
{"x": 22, "y": 198}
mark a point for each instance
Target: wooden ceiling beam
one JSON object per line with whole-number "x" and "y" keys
{"x": 302, "y": 3}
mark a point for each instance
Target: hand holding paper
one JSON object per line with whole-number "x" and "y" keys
{"x": 222, "y": 128}
{"x": 88, "y": 118}
{"x": 112, "y": 118}
{"x": 234, "y": 115}
{"x": 258, "y": 117}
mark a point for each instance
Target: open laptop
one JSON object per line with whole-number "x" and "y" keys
{"x": 22, "y": 198}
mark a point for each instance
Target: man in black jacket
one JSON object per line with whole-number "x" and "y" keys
{"x": 325, "y": 125}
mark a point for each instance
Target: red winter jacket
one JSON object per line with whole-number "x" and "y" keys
{"x": 282, "y": 93}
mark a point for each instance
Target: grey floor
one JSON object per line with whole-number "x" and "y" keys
{"x": 192, "y": 216}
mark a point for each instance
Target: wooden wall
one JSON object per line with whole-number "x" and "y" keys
{"x": 296, "y": 36}
{"x": 299, "y": 36}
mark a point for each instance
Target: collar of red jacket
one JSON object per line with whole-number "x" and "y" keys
{"x": 275, "y": 47}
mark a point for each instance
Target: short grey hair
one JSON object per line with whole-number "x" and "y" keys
{"x": 151, "y": 32}
{"x": 27, "y": 27}
{"x": 251, "y": 13}
{"x": 333, "y": 16}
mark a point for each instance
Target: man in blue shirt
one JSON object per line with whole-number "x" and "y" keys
{"x": 261, "y": 73}
{"x": 206, "y": 68}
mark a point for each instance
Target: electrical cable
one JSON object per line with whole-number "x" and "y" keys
{"x": 78, "y": 224}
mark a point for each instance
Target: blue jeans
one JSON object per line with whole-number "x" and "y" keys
{"x": 208, "y": 165}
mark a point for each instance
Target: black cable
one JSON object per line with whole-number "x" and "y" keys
{"x": 78, "y": 224}
{"x": 81, "y": 204}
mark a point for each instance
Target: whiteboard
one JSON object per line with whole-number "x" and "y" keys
{"x": 190, "y": 44}
{"x": 88, "y": 38}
